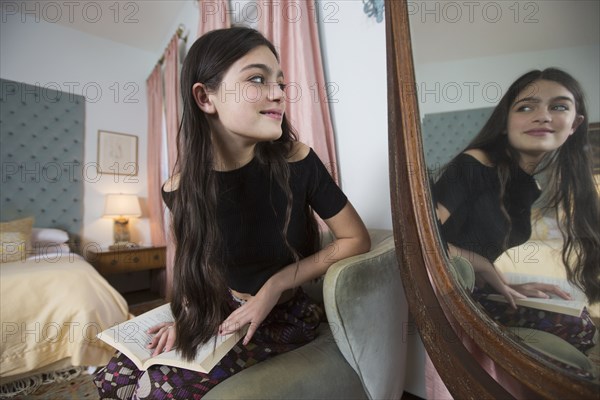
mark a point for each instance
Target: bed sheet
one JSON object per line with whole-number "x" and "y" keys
{"x": 51, "y": 309}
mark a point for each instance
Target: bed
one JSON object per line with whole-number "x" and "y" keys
{"x": 52, "y": 302}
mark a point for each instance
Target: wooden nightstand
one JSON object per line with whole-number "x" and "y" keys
{"x": 130, "y": 271}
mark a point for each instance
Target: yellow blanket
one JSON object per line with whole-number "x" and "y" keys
{"x": 51, "y": 310}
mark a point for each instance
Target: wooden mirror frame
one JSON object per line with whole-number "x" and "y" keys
{"x": 475, "y": 358}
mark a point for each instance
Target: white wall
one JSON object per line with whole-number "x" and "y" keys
{"x": 353, "y": 46}
{"x": 112, "y": 77}
{"x": 481, "y": 82}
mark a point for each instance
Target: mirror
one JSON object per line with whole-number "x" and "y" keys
{"x": 475, "y": 358}
{"x": 461, "y": 78}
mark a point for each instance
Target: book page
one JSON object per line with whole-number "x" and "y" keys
{"x": 558, "y": 305}
{"x": 563, "y": 283}
{"x": 554, "y": 303}
{"x": 207, "y": 357}
{"x": 131, "y": 337}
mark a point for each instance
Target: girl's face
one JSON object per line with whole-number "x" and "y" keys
{"x": 250, "y": 102}
{"x": 541, "y": 119}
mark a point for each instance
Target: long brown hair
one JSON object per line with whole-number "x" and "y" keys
{"x": 570, "y": 186}
{"x": 199, "y": 302}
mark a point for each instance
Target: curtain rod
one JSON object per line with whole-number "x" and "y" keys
{"x": 179, "y": 32}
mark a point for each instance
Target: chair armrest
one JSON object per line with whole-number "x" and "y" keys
{"x": 366, "y": 308}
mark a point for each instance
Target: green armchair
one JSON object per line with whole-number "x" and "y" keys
{"x": 359, "y": 354}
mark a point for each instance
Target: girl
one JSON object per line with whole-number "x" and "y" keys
{"x": 485, "y": 194}
{"x": 241, "y": 206}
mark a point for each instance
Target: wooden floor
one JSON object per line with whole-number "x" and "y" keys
{"x": 141, "y": 307}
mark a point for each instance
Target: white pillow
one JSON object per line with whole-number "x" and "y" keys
{"x": 41, "y": 236}
{"x": 50, "y": 252}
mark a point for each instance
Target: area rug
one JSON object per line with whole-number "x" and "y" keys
{"x": 70, "y": 383}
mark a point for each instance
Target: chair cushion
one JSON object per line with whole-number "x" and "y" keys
{"x": 552, "y": 346}
{"x": 314, "y": 371}
{"x": 463, "y": 271}
{"x": 359, "y": 355}
{"x": 367, "y": 310}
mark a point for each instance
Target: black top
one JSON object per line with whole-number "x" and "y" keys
{"x": 470, "y": 191}
{"x": 251, "y": 214}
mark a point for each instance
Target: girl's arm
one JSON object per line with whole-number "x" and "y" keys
{"x": 483, "y": 268}
{"x": 351, "y": 238}
{"x": 486, "y": 271}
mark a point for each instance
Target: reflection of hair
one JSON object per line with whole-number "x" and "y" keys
{"x": 570, "y": 187}
{"x": 199, "y": 301}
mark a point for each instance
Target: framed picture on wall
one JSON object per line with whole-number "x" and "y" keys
{"x": 117, "y": 153}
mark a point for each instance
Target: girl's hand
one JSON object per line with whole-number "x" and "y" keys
{"x": 485, "y": 272}
{"x": 510, "y": 295}
{"x": 497, "y": 281}
{"x": 253, "y": 312}
{"x": 541, "y": 290}
{"x": 164, "y": 339}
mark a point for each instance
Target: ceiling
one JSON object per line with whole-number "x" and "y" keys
{"x": 144, "y": 25}
{"x": 441, "y": 31}
{"x": 445, "y": 31}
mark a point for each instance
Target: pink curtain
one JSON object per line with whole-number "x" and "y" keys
{"x": 292, "y": 27}
{"x": 172, "y": 98}
{"x": 214, "y": 14}
{"x": 155, "y": 120}
{"x": 172, "y": 117}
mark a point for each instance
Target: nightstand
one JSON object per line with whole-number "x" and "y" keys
{"x": 130, "y": 271}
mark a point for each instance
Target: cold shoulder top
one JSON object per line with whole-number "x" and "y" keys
{"x": 470, "y": 191}
{"x": 251, "y": 213}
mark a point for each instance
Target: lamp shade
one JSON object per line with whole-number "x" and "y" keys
{"x": 122, "y": 205}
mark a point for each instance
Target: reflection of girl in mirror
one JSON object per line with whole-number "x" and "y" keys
{"x": 485, "y": 194}
{"x": 242, "y": 207}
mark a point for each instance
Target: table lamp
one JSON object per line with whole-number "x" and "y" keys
{"x": 121, "y": 207}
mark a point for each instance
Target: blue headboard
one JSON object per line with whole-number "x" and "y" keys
{"x": 447, "y": 134}
{"x": 41, "y": 148}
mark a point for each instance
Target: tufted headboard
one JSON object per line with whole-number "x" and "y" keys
{"x": 42, "y": 139}
{"x": 447, "y": 134}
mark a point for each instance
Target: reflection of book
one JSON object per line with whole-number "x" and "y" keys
{"x": 130, "y": 338}
{"x": 572, "y": 307}
{"x": 518, "y": 278}
{"x": 557, "y": 305}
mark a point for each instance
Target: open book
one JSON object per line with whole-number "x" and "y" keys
{"x": 131, "y": 339}
{"x": 556, "y": 304}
